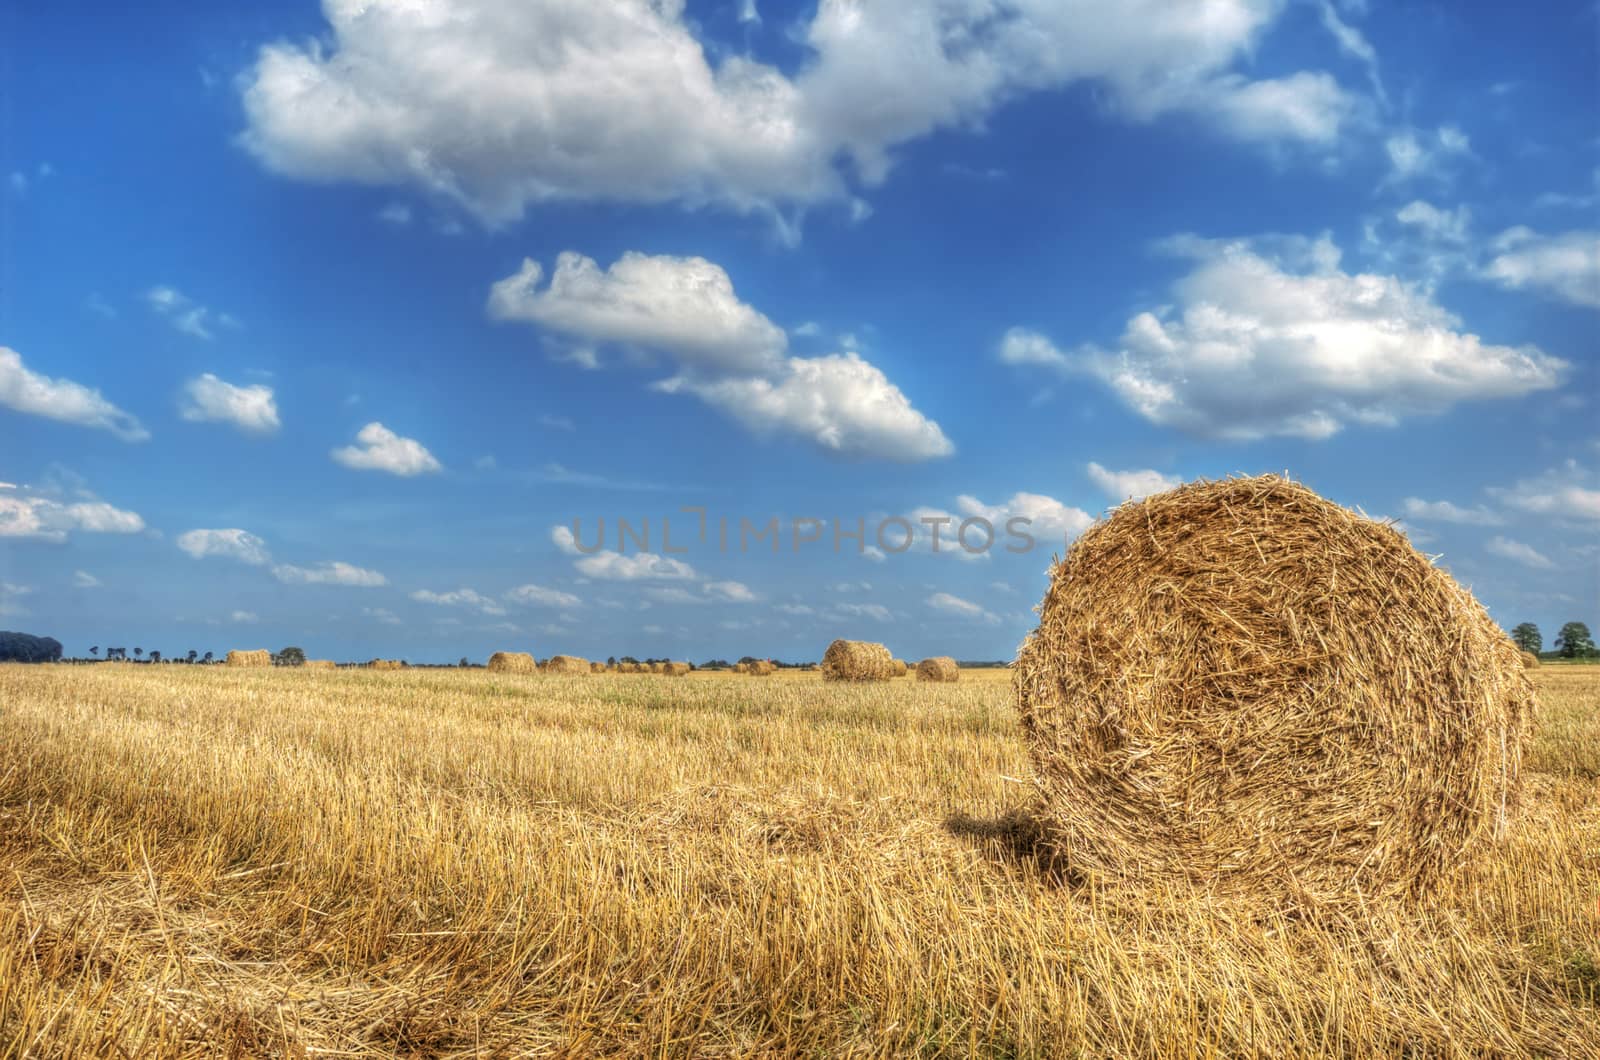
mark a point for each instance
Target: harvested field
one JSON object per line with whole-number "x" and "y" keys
{"x": 205, "y": 861}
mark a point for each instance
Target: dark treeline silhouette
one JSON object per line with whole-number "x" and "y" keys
{"x": 25, "y": 647}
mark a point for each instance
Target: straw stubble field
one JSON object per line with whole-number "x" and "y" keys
{"x": 210, "y": 861}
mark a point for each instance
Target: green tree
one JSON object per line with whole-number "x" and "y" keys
{"x": 291, "y": 656}
{"x": 206, "y": 657}
{"x": 95, "y": 651}
{"x": 138, "y": 653}
{"x": 155, "y": 656}
{"x": 192, "y": 654}
{"x": 1528, "y": 637}
{"x": 1574, "y": 641}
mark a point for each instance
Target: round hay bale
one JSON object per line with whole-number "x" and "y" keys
{"x": 856, "y": 660}
{"x": 319, "y": 664}
{"x": 901, "y": 668}
{"x": 513, "y": 662}
{"x": 1530, "y": 661}
{"x": 938, "y": 668}
{"x": 654, "y": 667}
{"x": 762, "y": 668}
{"x": 1245, "y": 686}
{"x": 386, "y": 664}
{"x": 597, "y": 667}
{"x": 566, "y": 664}
{"x": 741, "y": 668}
{"x": 256, "y": 657}
{"x": 675, "y": 669}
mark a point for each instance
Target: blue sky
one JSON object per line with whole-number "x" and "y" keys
{"x": 317, "y": 322}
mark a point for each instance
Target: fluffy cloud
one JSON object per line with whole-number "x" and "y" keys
{"x": 539, "y": 596}
{"x": 82, "y": 579}
{"x": 381, "y": 449}
{"x": 1445, "y": 512}
{"x": 876, "y": 612}
{"x": 31, "y": 513}
{"x": 724, "y": 351}
{"x": 685, "y": 307}
{"x": 615, "y": 566}
{"x": 1415, "y": 154}
{"x": 842, "y": 404}
{"x": 1518, "y": 552}
{"x": 249, "y": 408}
{"x": 728, "y": 592}
{"x": 1446, "y": 226}
{"x": 184, "y": 313}
{"x": 955, "y": 605}
{"x": 335, "y": 573}
{"x": 1569, "y": 492}
{"x": 1131, "y": 485}
{"x": 243, "y": 618}
{"x": 1049, "y": 520}
{"x": 459, "y": 598}
{"x": 62, "y": 399}
{"x": 496, "y": 106}
{"x": 231, "y": 543}
{"x": 1271, "y": 337}
{"x": 1564, "y": 266}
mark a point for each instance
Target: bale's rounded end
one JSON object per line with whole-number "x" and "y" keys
{"x": 938, "y": 668}
{"x": 1245, "y": 686}
{"x": 857, "y": 660}
{"x": 513, "y": 662}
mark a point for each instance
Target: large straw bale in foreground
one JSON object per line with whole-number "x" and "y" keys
{"x": 566, "y": 664}
{"x": 857, "y": 660}
{"x": 938, "y": 668}
{"x": 513, "y": 662}
{"x": 258, "y": 657}
{"x": 1243, "y": 685}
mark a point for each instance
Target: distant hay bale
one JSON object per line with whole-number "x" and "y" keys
{"x": 1530, "y": 661}
{"x": 938, "y": 668}
{"x": 319, "y": 664}
{"x": 901, "y": 668}
{"x": 741, "y": 668}
{"x": 761, "y": 668}
{"x": 258, "y": 657}
{"x": 597, "y": 667}
{"x": 675, "y": 669}
{"x": 654, "y": 667}
{"x": 513, "y": 662}
{"x": 1244, "y": 686}
{"x": 856, "y": 660}
{"x": 386, "y": 664}
{"x": 566, "y": 664}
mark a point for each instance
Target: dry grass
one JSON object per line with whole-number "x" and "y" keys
{"x": 1243, "y": 686}
{"x": 216, "y": 862}
{"x": 257, "y": 657}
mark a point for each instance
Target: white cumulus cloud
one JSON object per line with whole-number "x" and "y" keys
{"x": 34, "y": 514}
{"x": 955, "y": 605}
{"x": 1565, "y": 266}
{"x": 231, "y": 543}
{"x": 1130, "y": 485}
{"x": 1271, "y": 337}
{"x": 459, "y": 598}
{"x": 249, "y": 408}
{"x": 497, "y": 106}
{"x": 380, "y": 449}
{"x": 334, "y": 573}
{"x": 607, "y": 565}
{"x": 61, "y": 399}
{"x": 1568, "y": 492}
{"x": 1446, "y": 512}
{"x": 541, "y": 596}
{"x": 1517, "y": 552}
